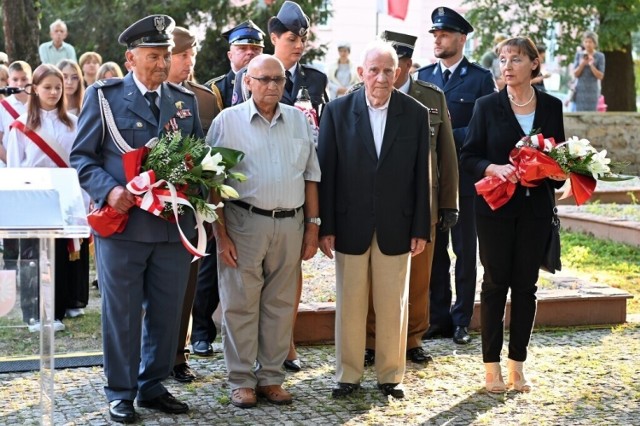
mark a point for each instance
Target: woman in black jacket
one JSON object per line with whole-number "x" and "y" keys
{"x": 512, "y": 239}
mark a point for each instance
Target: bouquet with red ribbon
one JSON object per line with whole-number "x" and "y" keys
{"x": 536, "y": 158}
{"x": 172, "y": 175}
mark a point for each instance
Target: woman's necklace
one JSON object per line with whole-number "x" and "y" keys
{"x": 512, "y": 99}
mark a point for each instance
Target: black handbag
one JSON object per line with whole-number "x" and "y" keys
{"x": 551, "y": 259}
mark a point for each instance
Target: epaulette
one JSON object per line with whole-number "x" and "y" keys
{"x": 355, "y": 87}
{"x": 312, "y": 68}
{"x": 215, "y": 80}
{"x": 478, "y": 66}
{"x": 426, "y": 67}
{"x": 428, "y": 85}
{"x": 98, "y": 84}
{"x": 200, "y": 87}
{"x": 180, "y": 88}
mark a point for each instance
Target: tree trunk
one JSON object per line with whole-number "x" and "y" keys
{"x": 21, "y": 30}
{"x": 619, "y": 83}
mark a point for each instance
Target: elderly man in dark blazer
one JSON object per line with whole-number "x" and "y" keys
{"x": 374, "y": 205}
{"x": 143, "y": 270}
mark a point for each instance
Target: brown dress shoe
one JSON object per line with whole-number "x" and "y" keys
{"x": 274, "y": 394}
{"x": 243, "y": 397}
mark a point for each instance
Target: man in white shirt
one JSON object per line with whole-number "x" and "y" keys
{"x": 52, "y": 52}
{"x": 262, "y": 236}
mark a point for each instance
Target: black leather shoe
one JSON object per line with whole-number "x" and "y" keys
{"x": 419, "y": 356}
{"x": 292, "y": 365}
{"x": 344, "y": 389}
{"x": 183, "y": 373}
{"x": 122, "y": 411}
{"x": 166, "y": 403}
{"x": 392, "y": 389}
{"x": 202, "y": 348}
{"x": 436, "y": 331}
{"x": 461, "y": 335}
{"x": 369, "y": 357}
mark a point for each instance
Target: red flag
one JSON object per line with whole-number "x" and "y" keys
{"x": 396, "y": 8}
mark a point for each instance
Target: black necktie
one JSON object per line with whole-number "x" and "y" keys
{"x": 151, "y": 97}
{"x": 288, "y": 87}
{"x": 445, "y": 76}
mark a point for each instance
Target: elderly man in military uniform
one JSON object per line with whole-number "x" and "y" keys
{"x": 183, "y": 61}
{"x": 143, "y": 270}
{"x": 246, "y": 41}
{"x": 443, "y": 181}
{"x": 463, "y": 83}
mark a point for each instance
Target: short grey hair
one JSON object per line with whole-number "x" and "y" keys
{"x": 381, "y": 47}
{"x": 58, "y": 23}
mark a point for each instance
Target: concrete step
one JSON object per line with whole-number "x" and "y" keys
{"x": 575, "y": 303}
{"x": 619, "y": 230}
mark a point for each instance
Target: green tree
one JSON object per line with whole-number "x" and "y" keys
{"x": 613, "y": 20}
{"x": 95, "y": 25}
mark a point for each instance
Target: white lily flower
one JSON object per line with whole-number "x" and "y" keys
{"x": 599, "y": 165}
{"x": 227, "y": 191}
{"x": 578, "y": 147}
{"x": 210, "y": 215}
{"x": 213, "y": 163}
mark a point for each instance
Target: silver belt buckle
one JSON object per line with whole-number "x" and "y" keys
{"x": 274, "y": 211}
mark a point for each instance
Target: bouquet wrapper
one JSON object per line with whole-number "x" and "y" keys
{"x": 106, "y": 221}
{"x": 495, "y": 191}
{"x": 581, "y": 187}
{"x": 534, "y": 166}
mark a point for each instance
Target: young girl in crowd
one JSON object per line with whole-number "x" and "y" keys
{"x": 109, "y": 70}
{"x": 73, "y": 88}
{"x": 47, "y": 126}
{"x": 89, "y": 63}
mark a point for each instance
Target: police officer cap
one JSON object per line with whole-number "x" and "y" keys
{"x": 403, "y": 43}
{"x": 444, "y": 18}
{"x": 245, "y": 33}
{"x": 293, "y": 18}
{"x": 183, "y": 40}
{"x": 152, "y": 31}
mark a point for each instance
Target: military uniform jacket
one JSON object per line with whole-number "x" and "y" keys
{"x": 208, "y": 103}
{"x": 443, "y": 160}
{"x": 467, "y": 84}
{"x": 224, "y": 84}
{"x": 99, "y": 162}
{"x": 314, "y": 80}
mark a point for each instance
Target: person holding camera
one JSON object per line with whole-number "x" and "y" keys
{"x": 588, "y": 71}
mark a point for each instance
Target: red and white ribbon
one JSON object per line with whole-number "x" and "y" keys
{"x": 543, "y": 144}
{"x": 155, "y": 194}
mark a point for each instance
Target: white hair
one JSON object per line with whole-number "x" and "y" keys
{"x": 380, "y": 47}
{"x": 58, "y": 23}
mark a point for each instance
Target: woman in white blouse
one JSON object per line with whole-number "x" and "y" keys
{"x": 48, "y": 127}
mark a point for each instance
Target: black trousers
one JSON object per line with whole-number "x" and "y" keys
{"x": 207, "y": 297}
{"x": 511, "y": 251}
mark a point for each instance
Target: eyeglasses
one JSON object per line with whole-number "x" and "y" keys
{"x": 266, "y": 80}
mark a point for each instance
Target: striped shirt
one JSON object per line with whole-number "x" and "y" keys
{"x": 279, "y": 155}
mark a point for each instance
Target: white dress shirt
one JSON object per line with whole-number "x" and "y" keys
{"x": 378, "y": 120}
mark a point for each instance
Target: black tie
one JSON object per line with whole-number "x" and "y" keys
{"x": 445, "y": 76}
{"x": 288, "y": 87}
{"x": 151, "y": 97}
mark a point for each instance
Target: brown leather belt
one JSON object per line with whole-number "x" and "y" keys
{"x": 276, "y": 214}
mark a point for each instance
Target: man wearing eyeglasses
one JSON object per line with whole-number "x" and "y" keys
{"x": 263, "y": 234}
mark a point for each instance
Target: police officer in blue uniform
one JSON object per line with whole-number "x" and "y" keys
{"x": 145, "y": 267}
{"x": 291, "y": 24}
{"x": 463, "y": 83}
{"x": 246, "y": 41}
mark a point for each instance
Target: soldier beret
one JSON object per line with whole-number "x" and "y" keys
{"x": 152, "y": 31}
{"x": 404, "y": 44}
{"x": 183, "y": 40}
{"x": 245, "y": 33}
{"x": 444, "y": 18}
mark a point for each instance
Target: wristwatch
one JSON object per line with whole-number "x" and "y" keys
{"x": 315, "y": 220}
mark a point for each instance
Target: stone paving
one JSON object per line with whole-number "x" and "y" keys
{"x": 582, "y": 376}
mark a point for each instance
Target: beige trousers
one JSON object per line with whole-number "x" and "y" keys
{"x": 387, "y": 279}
